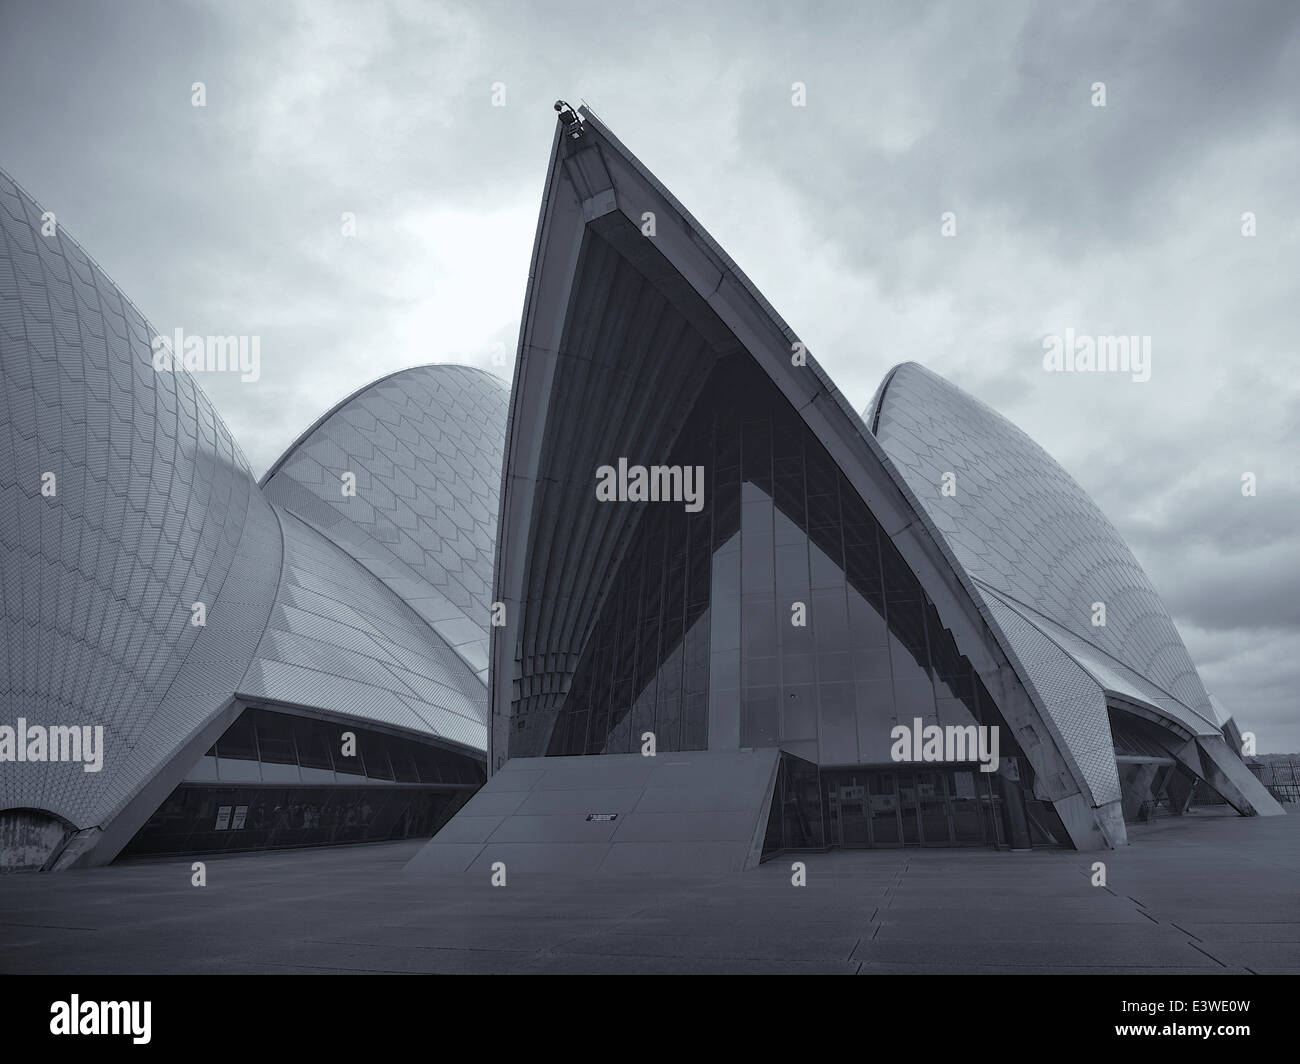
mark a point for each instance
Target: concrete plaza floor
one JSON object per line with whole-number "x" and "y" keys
{"x": 1205, "y": 894}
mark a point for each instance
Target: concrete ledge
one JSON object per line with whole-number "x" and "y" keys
{"x": 694, "y": 813}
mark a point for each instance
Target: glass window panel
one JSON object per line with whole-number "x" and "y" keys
{"x": 642, "y": 718}
{"x": 619, "y": 738}
{"x": 352, "y": 764}
{"x": 376, "y": 756}
{"x": 726, "y": 576}
{"x": 798, "y": 668}
{"x": 823, "y": 514}
{"x": 400, "y": 757}
{"x": 838, "y": 728}
{"x": 757, "y": 456}
{"x": 758, "y": 624}
{"x": 967, "y": 824}
{"x": 726, "y": 507}
{"x": 913, "y": 691}
{"x": 761, "y": 717}
{"x": 312, "y": 744}
{"x": 824, "y": 564}
{"x": 275, "y": 738}
{"x": 932, "y": 808}
{"x": 727, "y": 452}
{"x": 238, "y": 770}
{"x": 862, "y": 568}
{"x": 898, "y": 577}
{"x": 724, "y": 626}
{"x": 987, "y": 710}
{"x": 866, "y": 622}
{"x": 761, "y": 671}
{"x": 907, "y": 623}
{"x": 697, "y": 577}
{"x": 823, "y": 476}
{"x": 954, "y": 711}
{"x": 757, "y": 546}
{"x": 799, "y": 712}
{"x": 239, "y": 740}
{"x": 876, "y": 718}
{"x": 871, "y": 664}
{"x": 447, "y": 764}
{"x": 959, "y": 687}
{"x": 278, "y": 772}
{"x": 800, "y": 792}
{"x": 830, "y": 620}
{"x": 883, "y": 799}
{"x": 835, "y": 667}
{"x": 792, "y": 571}
{"x": 787, "y": 446}
{"x": 909, "y": 809}
{"x": 696, "y": 643}
{"x": 859, "y": 525}
{"x": 695, "y": 722}
{"x": 789, "y": 501}
{"x": 796, "y": 638}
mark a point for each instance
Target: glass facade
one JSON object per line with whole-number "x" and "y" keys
{"x": 279, "y": 780}
{"x": 204, "y": 819}
{"x": 867, "y": 807}
{"x": 780, "y": 615}
{"x": 263, "y": 746}
{"x": 795, "y": 820}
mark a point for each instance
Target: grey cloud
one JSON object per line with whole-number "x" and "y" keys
{"x": 1125, "y": 219}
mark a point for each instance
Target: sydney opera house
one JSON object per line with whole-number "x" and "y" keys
{"x": 335, "y": 689}
{"x": 786, "y": 627}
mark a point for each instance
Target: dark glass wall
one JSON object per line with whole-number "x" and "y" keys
{"x": 207, "y": 819}
{"x": 863, "y": 807}
{"x": 278, "y": 780}
{"x": 263, "y": 746}
{"x": 780, "y": 614}
{"x": 794, "y": 821}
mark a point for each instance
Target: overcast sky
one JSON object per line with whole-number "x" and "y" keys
{"x": 1122, "y": 219}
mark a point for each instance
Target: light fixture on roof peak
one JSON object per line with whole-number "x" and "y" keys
{"x": 570, "y": 119}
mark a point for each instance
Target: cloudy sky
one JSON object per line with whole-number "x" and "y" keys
{"x": 1122, "y": 219}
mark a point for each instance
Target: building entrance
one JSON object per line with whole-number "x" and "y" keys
{"x": 870, "y": 808}
{"x": 893, "y": 806}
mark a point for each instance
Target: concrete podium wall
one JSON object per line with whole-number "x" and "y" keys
{"x": 676, "y": 814}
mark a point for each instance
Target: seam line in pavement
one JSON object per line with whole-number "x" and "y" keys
{"x": 1210, "y": 955}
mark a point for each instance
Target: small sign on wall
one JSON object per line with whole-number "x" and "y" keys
{"x": 223, "y": 818}
{"x": 601, "y": 816}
